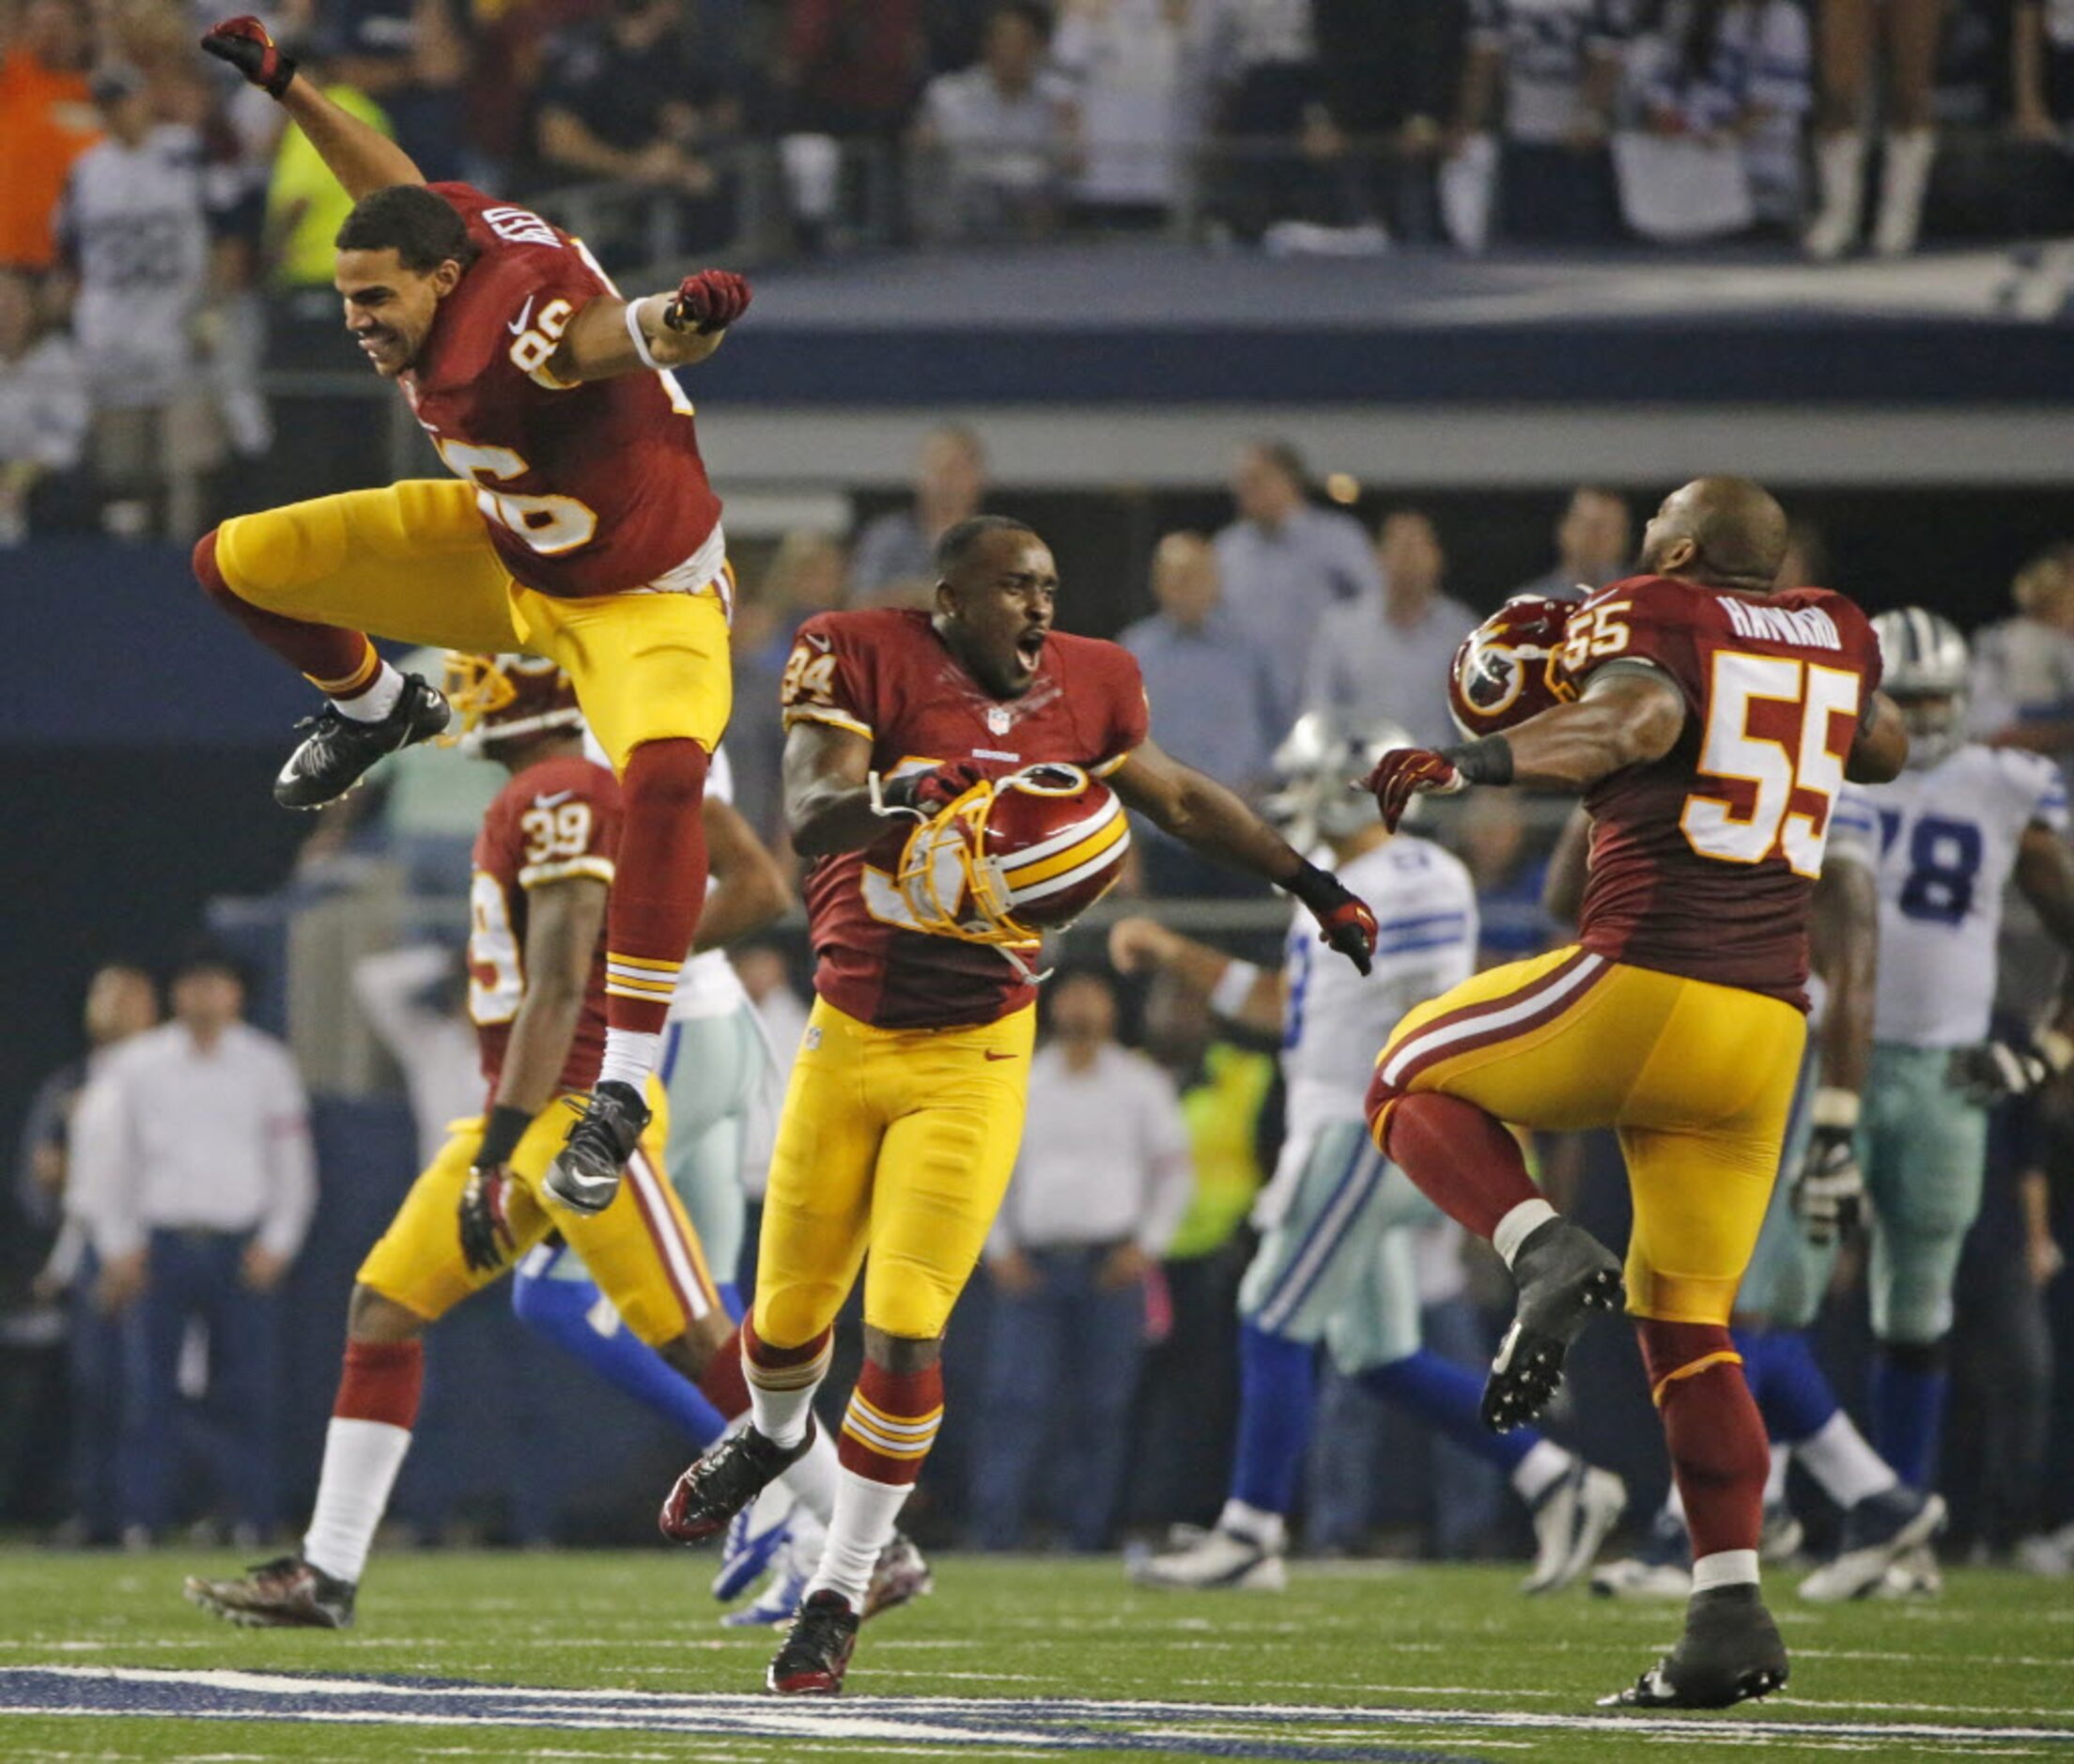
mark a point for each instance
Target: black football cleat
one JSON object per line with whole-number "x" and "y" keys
{"x": 1565, "y": 1276}
{"x": 1730, "y": 1653}
{"x": 718, "y": 1485}
{"x": 585, "y": 1173}
{"x": 338, "y": 750}
{"x": 283, "y": 1594}
{"x": 817, "y": 1650}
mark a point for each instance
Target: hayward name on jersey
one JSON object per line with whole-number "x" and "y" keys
{"x": 1426, "y": 908}
{"x": 1943, "y": 841}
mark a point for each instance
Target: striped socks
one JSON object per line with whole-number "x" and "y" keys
{"x": 887, "y": 1431}
{"x": 781, "y": 1382}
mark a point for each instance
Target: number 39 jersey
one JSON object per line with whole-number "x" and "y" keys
{"x": 587, "y": 490}
{"x": 553, "y": 821}
{"x": 1942, "y": 841}
{"x": 1703, "y": 863}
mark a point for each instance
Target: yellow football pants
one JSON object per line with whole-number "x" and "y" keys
{"x": 1696, "y": 1079}
{"x": 640, "y": 1250}
{"x": 898, "y": 1141}
{"x": 413, "y": 561}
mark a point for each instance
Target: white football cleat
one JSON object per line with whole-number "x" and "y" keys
{"x": 1879, "y": 1532}
{"x": 1216, "y": 1559}
{"x": 1570, "y": 1521}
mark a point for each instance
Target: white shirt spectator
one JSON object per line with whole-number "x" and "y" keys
{"x": 1548, "y": 46}
{"x": 1235, "y": 35}
{"x": 135, "y": 222}
{"x": 1107, "y": 1160}
{"x": 1000, "y": 148}
{"x": 1364, "y": 669}
{"x": 1124, "y": 58}
{"x": 170, "y": 1135}
{"x": 436, "y": 1050}
{"x": 43, "y": 412}
{"x": 1279, "y": 580}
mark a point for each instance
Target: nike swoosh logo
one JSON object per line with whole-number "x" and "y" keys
{"x": 992, "y": 1054}
{"x": 819, "y": 642}
{"x": 548, "y": 802}
{"x": 525, "y": 318}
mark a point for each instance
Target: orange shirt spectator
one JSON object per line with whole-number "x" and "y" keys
{"x": 46, "y": 121}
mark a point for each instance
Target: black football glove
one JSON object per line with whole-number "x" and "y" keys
{"x": 2008, "y": 1066}
{"x": 922, "y": 793}
{"x": 1343, "y": 917}
{"x": 487, "y": 1239}
{"x": 1829, "y": 1190}
{"x": 245, "y": 43}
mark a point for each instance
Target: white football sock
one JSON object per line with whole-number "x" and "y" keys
{"x": 1256, "y": 1524}
{"x": 630, "y": 1055}
{"x": 813, "y": 1480}
{"x": 361, "y": 1461}
{"x": 1545, "y": 1464}
{"x": 1774, "y": 1481}
{"x": 781, "y": 1407}
{"x": 1518, "y": 1226}
{"x": 865, "y": 1514}
{"x": 1838, "y": 1457}
{"x": 1725, "y": 1568}
{"x": 376, "y": 702}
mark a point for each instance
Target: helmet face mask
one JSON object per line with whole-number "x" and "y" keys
{"x": 1926, "y": 667}
{"x": 1936, "y": 724}
{"x": 1315, "y": 766}
{"x": 498, "y": 699}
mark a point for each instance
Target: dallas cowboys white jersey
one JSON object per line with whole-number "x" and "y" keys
{"x": 1946, "y": 839}
{"x": 1337, "y": 1021}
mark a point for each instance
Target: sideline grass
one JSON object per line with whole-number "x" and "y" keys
{"x": 1474, "y": 1670}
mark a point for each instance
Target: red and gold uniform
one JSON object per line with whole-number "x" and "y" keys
{"x": 906, "y": 1107}
{"x": 553, "y": 822}
{"x": 1678, "y": 1015}
{"x": 580, "y": 524}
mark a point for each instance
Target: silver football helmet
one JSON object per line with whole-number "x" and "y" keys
{"x": 1925, "y": 666}
{"x": 1313, "y": 766}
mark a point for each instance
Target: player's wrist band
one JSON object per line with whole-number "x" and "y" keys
{"x": 1319, "y": 890}
{"x": 502, "y": 1132}
{"x": 1834, "y": 1106}
{"x": 639, "y": 336}
{"x": 1234, "y": 988}
{"x": 1488, "y": 761}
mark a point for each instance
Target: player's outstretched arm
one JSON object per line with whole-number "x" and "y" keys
{"x": 1882, "y": 749}
{"x": 563, "y": 922}
{"x": 1213, "y": 822}
{"x": 361, "y": 157}
{"x": 749, "y": 889}
{"x": 1237, "y": 991}
{"x": 610, "y": 336}
{"x": 1845, "y": 948}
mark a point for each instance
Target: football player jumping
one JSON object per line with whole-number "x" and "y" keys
{"x": 544, "y": 862}
{"x": 906, "y": 1107}
{"x": 1337, "y": 1258}
{"x": 1714, "y": 725}
{"x": 579, "y": 526}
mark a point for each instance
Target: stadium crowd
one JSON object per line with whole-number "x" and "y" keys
{"x": 141, "y": 1262}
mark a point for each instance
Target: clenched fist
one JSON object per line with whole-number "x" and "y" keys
{"x": 708, "y": 302}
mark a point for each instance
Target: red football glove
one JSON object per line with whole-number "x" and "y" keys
{"x": 245, "y": 43}
{"x": 1344, "y": 920}
{"x": 708, "y": 302}
{"x": 1403, "y": 773}
{"x": 922, "y": 793}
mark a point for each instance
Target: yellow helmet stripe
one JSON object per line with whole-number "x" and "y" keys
{"x": 1021, "y": 874}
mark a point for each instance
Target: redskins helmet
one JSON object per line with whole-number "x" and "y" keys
{"x": 1013, "y": 857}
{"x": 1505, "y": 671}
{"x": 501, "y": 698}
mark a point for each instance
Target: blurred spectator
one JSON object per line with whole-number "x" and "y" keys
{"x": 2023, "y": 668}
{"x": 1594, "y": 541}
{"x": 1092, "y": 1207}
{"x": 1509, "y": 865}
{"x": 47, "y": 121}
{"x": 891, "y": 564}
{"x": 628, "y": 99}
{"x": 1125, "y": 60}
{"x": 1723, "y": 87}
{"x": 847, "y": 70}
{"x": 1283, "y": 562}
{"x": 994, "y": 142}
{"x": 193, "y": 1171}
{"x": 43, "y": 415}
{"x": 1392, "y": 76}
{"x": 415, "y": 999}
{"x": 1217, "y": 701}
{"x": 1807, "y": 561}
{"x": 411, "y": 60}
{"x": 804, "y": 577}
{"x": 1553, "y": 68}
{"x": 47, "y": 1278}
{"x": 136, "y": 227}
{"x": 305, "y": 204}
{"x": 2042, "y": 71}
{"x": 1383, "y": 656}
{"x": 1851, "y": 34}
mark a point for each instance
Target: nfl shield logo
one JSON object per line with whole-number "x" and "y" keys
{"x": 1000, "y": 719}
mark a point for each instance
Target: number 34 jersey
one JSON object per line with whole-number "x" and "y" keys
{"x": 1703, "y": 863}
{"x": 1942, "y": 841}
{"x": 554, "y": 821}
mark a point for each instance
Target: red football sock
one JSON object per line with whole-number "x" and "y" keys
{"x": 341, "y": 664}
{"x": 1461, "y": 1158}
{"x": 890, "y": 1423}
{"x": 722, "y": 1382}
{"x": 381, "y": 1382}
{"x": 658, "y": 883}
{"x": 1718, "y": 1448}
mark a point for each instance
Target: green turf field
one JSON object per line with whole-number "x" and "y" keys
{"x": 573, "y": 1657}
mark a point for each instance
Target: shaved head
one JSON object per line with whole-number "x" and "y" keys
{"x": 1728, "y": 532}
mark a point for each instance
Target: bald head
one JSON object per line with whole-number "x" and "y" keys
{"x": 1185, "y": 579}
{"x": 1727, "y": 533}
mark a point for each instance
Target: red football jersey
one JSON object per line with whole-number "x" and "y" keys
{"x": 1704, "y": 862}
{"x": 885, "y": 674}
{"x": 554, "y": 820}
{"x": 587, "y": 490}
